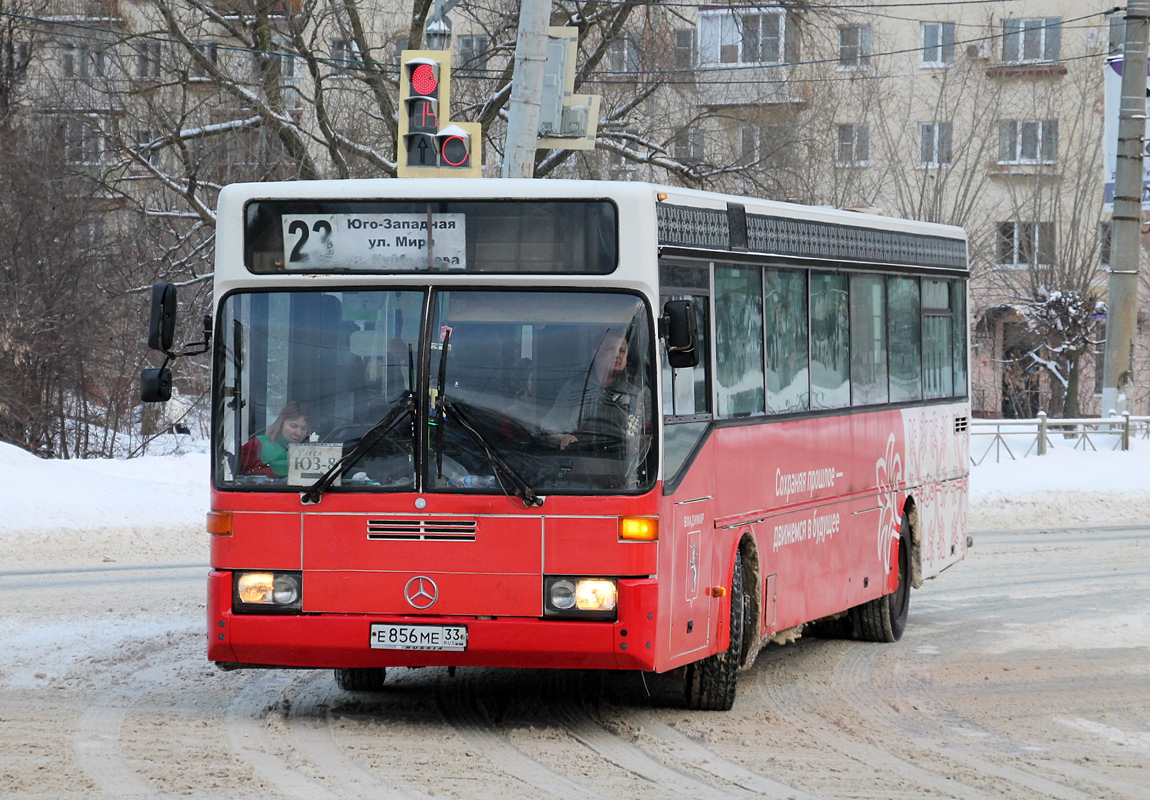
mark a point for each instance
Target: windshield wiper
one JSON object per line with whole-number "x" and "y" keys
{"x": 504, "y": 472}
{"x": 404, "y": 404}
{"x": 444, "y": 407}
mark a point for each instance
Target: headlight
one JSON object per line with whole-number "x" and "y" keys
{"x": 268, "y": 592}
{"x": 580, "y": 598}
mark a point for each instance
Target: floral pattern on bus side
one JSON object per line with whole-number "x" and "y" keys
{"x": 888, "y": 478}
{"x": 935, "y": 460}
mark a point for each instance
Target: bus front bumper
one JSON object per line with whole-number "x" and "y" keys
{"x": 330, "y": 640}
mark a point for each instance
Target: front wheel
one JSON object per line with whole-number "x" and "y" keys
{"x": 884, "y": 619}
{"x": 710, "y": 683}
{"x": 361, "y": 679}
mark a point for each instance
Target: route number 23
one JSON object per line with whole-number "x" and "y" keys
{"x": 299, "y": 228}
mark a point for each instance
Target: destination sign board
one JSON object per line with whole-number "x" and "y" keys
{"x": 390, "y": 241}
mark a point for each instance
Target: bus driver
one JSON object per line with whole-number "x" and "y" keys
{"x": 603, "y": 402}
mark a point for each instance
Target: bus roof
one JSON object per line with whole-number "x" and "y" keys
{"x": 472, "y": 188}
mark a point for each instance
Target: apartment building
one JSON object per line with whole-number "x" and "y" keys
{"x": 986, "y": 115}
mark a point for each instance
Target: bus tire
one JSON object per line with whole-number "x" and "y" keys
{"x": 361, "y": 679}
{"x": 884, "y": 619}
{"x": 710, "y": 682}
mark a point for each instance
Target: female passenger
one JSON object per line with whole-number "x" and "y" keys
{"x": 267, "y": 454}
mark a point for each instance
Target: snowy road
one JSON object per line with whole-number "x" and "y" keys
{"x": 1024, "y": 673}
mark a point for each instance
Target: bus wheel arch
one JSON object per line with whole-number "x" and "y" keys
{"x": 910, "y": 532}
{"x": 753, "y": 583}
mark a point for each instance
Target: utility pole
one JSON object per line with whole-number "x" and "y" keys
{"x": 1125, "y": 228}
{"x": 527, "y": 89}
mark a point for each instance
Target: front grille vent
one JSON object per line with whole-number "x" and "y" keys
{"x": 961, "y": 424}
{"x": 421, "y": 530}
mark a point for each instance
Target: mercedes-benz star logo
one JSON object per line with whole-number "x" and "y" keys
{"x": 421, "y": 592}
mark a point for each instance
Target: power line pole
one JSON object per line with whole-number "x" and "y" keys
{"x": 527, "y": 89}
{"x": 1125, "y": 228}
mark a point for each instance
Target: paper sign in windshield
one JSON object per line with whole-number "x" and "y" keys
{"x": 388, "y": 242}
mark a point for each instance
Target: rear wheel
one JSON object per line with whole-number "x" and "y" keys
{"x": 884, "y": 619}
{"x": 361, "y": 679}
{"x": 710, "y": 683}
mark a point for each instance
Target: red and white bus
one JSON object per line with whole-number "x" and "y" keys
{"x": 574, "y": 424}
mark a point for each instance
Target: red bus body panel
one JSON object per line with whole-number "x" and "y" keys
{"x": 816, "y": 504}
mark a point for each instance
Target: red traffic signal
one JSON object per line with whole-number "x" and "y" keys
{"x": 420, "y": 94}
{"x": 424, "y": 80}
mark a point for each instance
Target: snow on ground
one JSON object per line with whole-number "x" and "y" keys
{"x": 152, "y": 508}
{"x": 142, "y": 509}
{"x": 1064, "y": 488}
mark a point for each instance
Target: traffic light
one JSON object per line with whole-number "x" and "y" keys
{"x": 430, "y": 146}
{"x": 421, "y": 102}
{"x": 454, "y": 147}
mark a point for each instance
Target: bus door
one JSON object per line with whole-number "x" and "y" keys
{"x": 693, "y": 565}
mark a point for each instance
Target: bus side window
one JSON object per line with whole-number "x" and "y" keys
{"x": 686, "y": 391}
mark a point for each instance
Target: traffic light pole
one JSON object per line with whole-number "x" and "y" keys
{"x": 1125, "y": 228}
{"x": 527, "y": 89}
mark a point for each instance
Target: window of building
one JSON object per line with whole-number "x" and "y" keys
{"x": 830, "y": 341}
{"x": 937, "y": 44}
{"x": 935, "y": 144}
{"x": 904, "y": 334}
{"x": 1026, "y": 244}
{"x": 777, "y": 146}
{"x": 473, "y": 50}
{"x": 785, "y": 316}
{"x": 207, "y": 51}
{"x": 853, "y": 145}
{"x": 344, "y": 55}
{"x": 16, "y": 56}
{"x": 769, "y": 146}
{"x": 149, "y": 59}
{"x": 83, "y": 138}
{"x": 868, "y": 340}
{"x": 854, "y": 46}
{"x": 1028, "y": 41}
{"x": 82, "y": 61}
{"x": 687, "y": 146}
{"x": 732, "y": 37}
{"x": 1030, "y": 141}
{"x": 685, "y": 48}
{"x": 1104, "y": 243}
{"x": 748, "y": 145}
{"x": 619, "y": 161}
{"x": 398, "y": 45}
{"x": 623, "y": 57}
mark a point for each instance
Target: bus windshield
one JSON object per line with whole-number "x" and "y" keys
{"x": 497, "y": 391}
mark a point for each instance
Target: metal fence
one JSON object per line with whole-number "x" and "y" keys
{"x": 1012, "y": 439}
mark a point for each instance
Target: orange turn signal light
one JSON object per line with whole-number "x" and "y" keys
{"x": 220, "y": 523}
{"x": 638, "y": 529}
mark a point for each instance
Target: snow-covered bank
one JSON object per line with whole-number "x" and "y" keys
{"x": 152, "y": 509}
{"x": 1063, "y": 488}
{"x": 144, "y": 509}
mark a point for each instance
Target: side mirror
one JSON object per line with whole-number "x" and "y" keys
{"x": 156, "y": 385}
{"x": 682, "y": 336}
{"x": 162, "y": 327}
